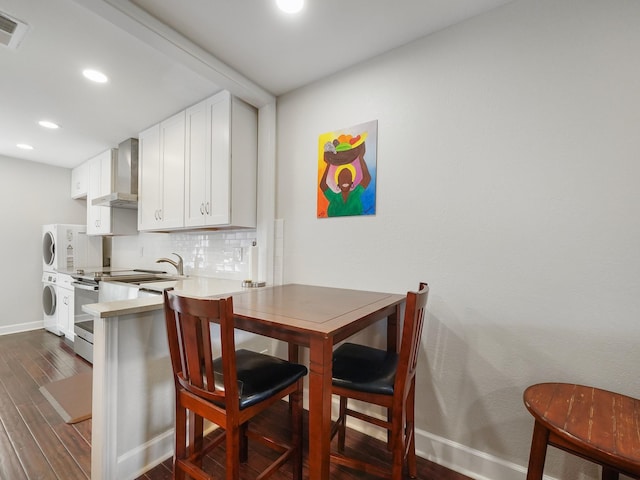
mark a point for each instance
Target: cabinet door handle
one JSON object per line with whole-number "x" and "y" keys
{"x": 160, "y": 214}
{"x": 202, "y": 209}
{"x": 206, "y": 209}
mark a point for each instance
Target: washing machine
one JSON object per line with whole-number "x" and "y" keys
{"x": 67, "y": 248}
{"x": 49, "y": 302}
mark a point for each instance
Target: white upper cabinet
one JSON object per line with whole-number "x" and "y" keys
{"x": 100, "y": 177}
{"x": 106, "y": 220}
{"x": 161, "y": 175}
{"x": 172, "y": 139}
{"x": 221, "y": 163}
{"x": 148, "y": 177}
{"x": 197, "y": 164}
{"x": 80, "y": 181}
{"x": 198, "y": 168}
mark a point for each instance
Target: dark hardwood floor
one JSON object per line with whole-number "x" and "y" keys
{"x": 34, "y": 440}
{"x": 35, "y": 443}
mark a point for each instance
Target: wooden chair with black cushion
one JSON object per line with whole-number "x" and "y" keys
{"x": 601, "y": 426}
{"x": 228, "y": 391}
{"x": 386, "y": 379}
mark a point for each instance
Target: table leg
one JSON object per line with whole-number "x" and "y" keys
{"x": 320, "y": 357}
{"x": 294, "y": 352}
{"x": 393, "y": 331}
{"x": 538, "y": 452}
{"x": 294, "y": 355}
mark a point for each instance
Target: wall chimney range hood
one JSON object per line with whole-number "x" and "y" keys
{"x": 126, "y": 178}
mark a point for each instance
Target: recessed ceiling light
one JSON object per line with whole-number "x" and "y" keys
{"x": 95, "y": 76}
{"x": 24, "y": 146}
{"x": 48, "y": 124}
{"x": 290, "y": 6}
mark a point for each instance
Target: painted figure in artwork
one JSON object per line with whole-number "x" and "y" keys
{"x": 344, "y": 159}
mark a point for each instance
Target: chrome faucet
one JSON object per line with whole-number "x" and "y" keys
{"x": 178, "y": 264}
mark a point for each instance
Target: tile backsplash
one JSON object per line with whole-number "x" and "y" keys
{"x": 221, "y": 254}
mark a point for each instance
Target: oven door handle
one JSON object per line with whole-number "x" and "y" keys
{"x": 85, "y": 286}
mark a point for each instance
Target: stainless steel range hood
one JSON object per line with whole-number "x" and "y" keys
{"x": 126, "y": 178}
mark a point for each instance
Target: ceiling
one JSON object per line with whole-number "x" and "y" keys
{"x": 162, "y": 56}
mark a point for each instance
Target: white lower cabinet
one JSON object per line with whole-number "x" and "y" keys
{"x": 65, "y": 300}
{"x": 161, "y": 175}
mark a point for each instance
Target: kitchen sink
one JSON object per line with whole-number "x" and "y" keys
{"x": 140, "y": 286}
{"x": 151, "y": 278}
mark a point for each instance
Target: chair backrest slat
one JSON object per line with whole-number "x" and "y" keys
{"x": 207, "y": 349}
{"x": 414, "y": 315}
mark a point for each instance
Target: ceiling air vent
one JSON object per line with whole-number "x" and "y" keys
{"x": 12, "y": 31}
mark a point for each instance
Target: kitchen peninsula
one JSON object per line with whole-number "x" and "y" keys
{"x": 133, "y": 392}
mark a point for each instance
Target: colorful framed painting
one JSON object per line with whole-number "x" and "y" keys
{"x": 347, "y": 171}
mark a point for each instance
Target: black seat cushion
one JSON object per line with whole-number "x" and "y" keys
{"x": 261, "y": 376}
{"x": 363, "y": 368}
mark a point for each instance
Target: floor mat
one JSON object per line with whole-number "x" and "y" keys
{"x": 71, "y": 397}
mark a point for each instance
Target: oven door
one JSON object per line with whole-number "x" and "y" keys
{"x": 83, "y": 294}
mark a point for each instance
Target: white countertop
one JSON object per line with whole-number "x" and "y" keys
{"x": 192, "y": 286}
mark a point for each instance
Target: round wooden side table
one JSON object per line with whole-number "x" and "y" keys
{"x": 595, "y": 424}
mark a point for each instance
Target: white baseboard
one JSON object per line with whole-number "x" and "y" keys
{"x": 21, "y": 327}
{"x": 460, "y": 458}
{"x": 135, "y": 462}
{"x": 467, "y": 461}
{"x": 452, "y": 455}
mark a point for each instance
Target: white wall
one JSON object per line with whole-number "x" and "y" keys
{"x": 508, "y": 179}
{"x": 31, "y": 195}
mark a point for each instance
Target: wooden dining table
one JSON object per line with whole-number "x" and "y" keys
{"x": 317, "y": 318}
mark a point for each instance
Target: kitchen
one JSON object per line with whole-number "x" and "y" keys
{"x": 518, "y": 127}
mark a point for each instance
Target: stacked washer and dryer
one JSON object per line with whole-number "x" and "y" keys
{"x": 65, "y": 249}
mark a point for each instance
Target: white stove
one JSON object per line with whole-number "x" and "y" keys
{"x": 107, "y": 274}
{"x": 88, "y": 281}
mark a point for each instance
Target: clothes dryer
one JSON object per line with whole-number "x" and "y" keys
{"x": 67, "y": 248}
